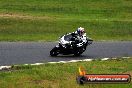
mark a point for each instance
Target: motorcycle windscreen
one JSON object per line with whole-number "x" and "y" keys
{"x": 68, "y": 37}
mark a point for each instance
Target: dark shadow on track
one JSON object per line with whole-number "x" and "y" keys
{"x": 71, "y": 56}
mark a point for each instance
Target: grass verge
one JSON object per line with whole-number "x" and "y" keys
{"x": 34, "y": 20}
{"x": 18, "y": 29}
{"x": 63, "y": 75}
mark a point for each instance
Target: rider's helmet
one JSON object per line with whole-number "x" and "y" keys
{"x": 80, "y": 31}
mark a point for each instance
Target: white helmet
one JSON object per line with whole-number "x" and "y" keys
{"x": 80, "y": 31}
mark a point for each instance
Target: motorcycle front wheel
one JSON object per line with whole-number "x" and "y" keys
{"x": 54, "y": 52}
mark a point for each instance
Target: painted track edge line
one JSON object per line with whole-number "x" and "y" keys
{"x": 71, "y": 61}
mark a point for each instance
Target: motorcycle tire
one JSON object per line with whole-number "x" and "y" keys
{"x": 77, "y": 53}
{"x": 54, "y": 52}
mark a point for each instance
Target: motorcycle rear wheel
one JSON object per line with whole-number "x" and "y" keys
{"x": 77, "y": 54}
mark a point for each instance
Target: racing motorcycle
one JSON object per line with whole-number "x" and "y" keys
{"x": 69, "y": 44}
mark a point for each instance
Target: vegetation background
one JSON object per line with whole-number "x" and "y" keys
{"x": 46, "y": 20}
{"x": 63, "y": 75}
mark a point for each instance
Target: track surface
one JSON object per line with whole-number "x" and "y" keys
{"x": 38, "y": 52}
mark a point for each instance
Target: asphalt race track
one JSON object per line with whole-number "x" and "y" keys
{"x": 38, "y": 52}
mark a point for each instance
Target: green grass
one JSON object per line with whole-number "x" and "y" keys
{"x": 63, "y": 75}
{"x": 34, "y": 20}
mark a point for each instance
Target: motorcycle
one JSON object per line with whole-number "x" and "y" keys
{"x": 69, "y": 44}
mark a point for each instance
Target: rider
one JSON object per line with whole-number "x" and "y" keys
{"x": 80, "y": 35}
